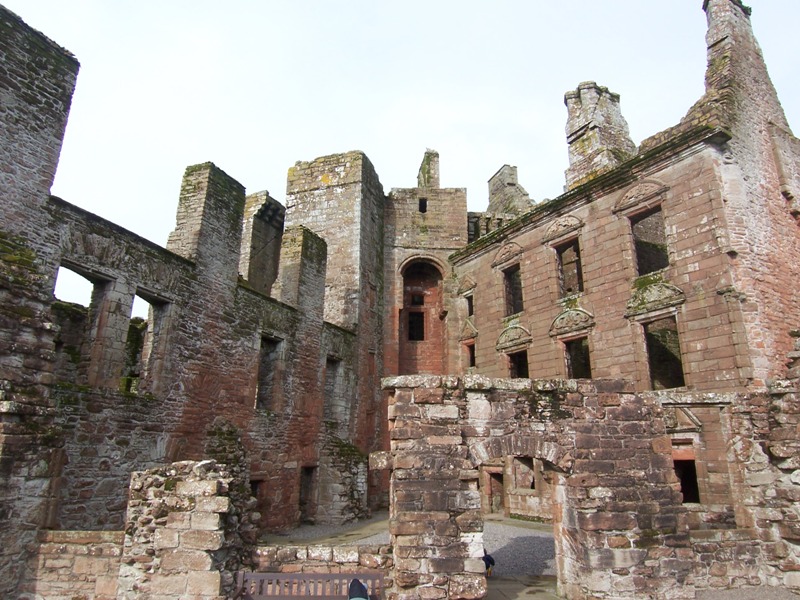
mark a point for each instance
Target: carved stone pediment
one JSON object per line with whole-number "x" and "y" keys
{"x": 653, "y": 297}
{"x": 514, "y": 336}
{"x": 507, "y": 253}
{"x": 640, "y": 193}
{"x": 468, "y": 330}
{"x": 466, "y": 284}
{"x": 572, "y": 319}
{"x": 680, "y": 419}
{"x": 562, "y": 226}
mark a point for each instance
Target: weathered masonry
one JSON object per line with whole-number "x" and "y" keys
{"x": 622, "y": 361}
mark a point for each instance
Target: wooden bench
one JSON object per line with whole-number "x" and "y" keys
{"x": 326, "y": 586}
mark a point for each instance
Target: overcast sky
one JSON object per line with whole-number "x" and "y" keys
{"x": 255, "y": 85}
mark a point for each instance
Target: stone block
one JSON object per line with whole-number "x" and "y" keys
{"x": 208, "y": 521}
{"x": 203, "y": 583}
{"x": 165, "y": 585}
{"x": 201, "y": 540}
{"x": 320, "y": 553}
{"x": 198, "y": 488}
{"x": 179, "y": 520}
{"x": 213, "y": 504}
{"x": 185, "y": 560}
{"x": 165, "y": 538}
{"x": 345, "y": 554}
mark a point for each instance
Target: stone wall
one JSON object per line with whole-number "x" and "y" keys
{"x": 341, "y": 199}
{"x": 620, "y": 526}
{"x": 74, "y": 564}
{"x": 37, "y": 78}
{"x": 321, "y": 558}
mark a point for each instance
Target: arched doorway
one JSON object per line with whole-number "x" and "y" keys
{"x": 421, "y": 336}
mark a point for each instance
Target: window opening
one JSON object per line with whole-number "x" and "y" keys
{"x": 513, "y": 290}
{"x": 416, "y": 326}
{"x": 470, "y": 306}
{"x": 335, "y": 403}
{"x": 686, "y": 472}
{"x": 650, "y": 241}
{"x": 518, "y": 365}
{"x": 423, "y": 205}
{"x": 664, "y": 354}
{"x": 569, "y": 266}
{"x": 72, "y": 287}
{"x": 524, "y": 473}
{"x": 417, "y": 300}
{"x": 471, "y": 354}
{"x": 267, "y": 368}
{"x": 577, "y": 355}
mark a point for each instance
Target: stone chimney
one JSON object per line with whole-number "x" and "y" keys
{"x": 597, "y": 133}
{"x": 428, "y": 176}
{"x": 506, "y": 195}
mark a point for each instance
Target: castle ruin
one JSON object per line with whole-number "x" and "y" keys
{"x": 622, "y": 361}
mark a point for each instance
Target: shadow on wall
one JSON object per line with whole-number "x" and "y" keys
{"x": 530, "y": 555}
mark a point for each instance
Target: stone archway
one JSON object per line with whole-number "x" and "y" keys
{"x": 421, "y": 336}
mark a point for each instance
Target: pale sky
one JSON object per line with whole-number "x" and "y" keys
{"x": 255, "y": 85}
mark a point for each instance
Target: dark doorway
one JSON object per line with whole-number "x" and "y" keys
{"x": 308, "y": 504}
{"x": 687, "y": 475}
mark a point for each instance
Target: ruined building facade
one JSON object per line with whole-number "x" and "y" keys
{"x": 621, "y": 360}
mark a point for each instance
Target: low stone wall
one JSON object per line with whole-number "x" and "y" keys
{"x": 324, "y": 559}
{"x": 74, "y": 564}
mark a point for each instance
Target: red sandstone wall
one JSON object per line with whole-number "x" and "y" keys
{"x": 709, "y": 321}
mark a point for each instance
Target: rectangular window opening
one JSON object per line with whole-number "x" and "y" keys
{"x": 650, "y": 241}
{"x": 423, "y": 205}
{"x": 569, "y": 266}
{"x": 417, "y": 300}
{"x": 686, "y": 472}
{"x": 664, "y": 354}
{"x": 416, "y": 326}
{"x": 518, "y": 365}
{"x": 577, "y": 356}
{"x": 470, "y": 355}
{"x": 470, "y": 306}
{"x": 524, "y": 473}
{"x": 335, "y": 408}
{"x": 267, "y": 367}
{"x": 513, "y": 290}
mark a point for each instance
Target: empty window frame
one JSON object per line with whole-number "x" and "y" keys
{"x": 518, "y": 364}
{"x": 416, "y": 326}
{"x": 569, "y": 268}
{"x": 664, "y": 354}
{"x": 576, "y": 354}
{"x": 267, "y": 368}
{"x": 423, "y": 205}
{"x": 650, "y": 241}
{"x": 524, "y": 473}
{"x": 513, "y": 289}
{"x": 470, "y": 305}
